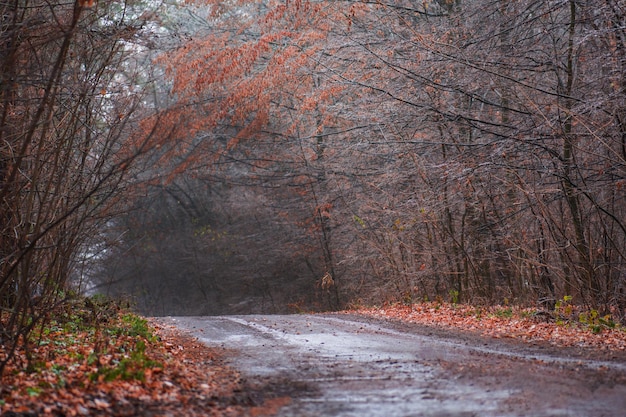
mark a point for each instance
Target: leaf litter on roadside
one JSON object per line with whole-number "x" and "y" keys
{"x": 510, "y": 322}
{"x": 121, "y": 366}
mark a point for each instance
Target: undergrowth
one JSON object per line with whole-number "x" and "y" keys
{"x": 84, "y": 341}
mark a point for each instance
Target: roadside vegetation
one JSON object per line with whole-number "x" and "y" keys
{"x": 95, "y": 357}
{"x": 567, "y": 325}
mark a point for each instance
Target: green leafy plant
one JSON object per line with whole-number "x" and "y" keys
{"x": 596, "y": 322}
{"x": 129, "y": 368}
{"x": 563, "y": 309}
{"x": 503, "y": 313}
{"x": 135, "y": 326}
{"x": 454, "y": 296}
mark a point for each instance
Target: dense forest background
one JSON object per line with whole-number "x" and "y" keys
{"x": 209, "y": 157}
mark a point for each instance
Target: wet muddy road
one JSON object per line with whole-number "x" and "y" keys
{"x": 344, "y": 365}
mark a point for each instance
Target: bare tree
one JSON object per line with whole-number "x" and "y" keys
{"x": 67, "y": 109}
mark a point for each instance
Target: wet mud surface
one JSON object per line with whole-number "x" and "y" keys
{"x": 348, "y": 365}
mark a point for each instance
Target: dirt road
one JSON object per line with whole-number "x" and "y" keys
{"x": 343, "y": 365}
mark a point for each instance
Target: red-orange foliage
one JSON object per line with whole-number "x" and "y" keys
{"x": 245, "y": 73}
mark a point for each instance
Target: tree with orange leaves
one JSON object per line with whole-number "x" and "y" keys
{"x": 441, "y": 148}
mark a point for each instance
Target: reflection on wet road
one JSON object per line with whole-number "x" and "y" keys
{"x": 334, "y": 365}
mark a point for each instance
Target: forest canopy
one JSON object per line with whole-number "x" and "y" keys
{"x": 270, "y": 156}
